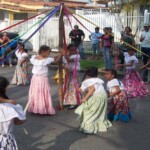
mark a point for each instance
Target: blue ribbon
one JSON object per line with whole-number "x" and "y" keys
{"x": 50, "y": 16}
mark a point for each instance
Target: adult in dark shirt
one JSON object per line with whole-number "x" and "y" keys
{"x": 77, "y": 37}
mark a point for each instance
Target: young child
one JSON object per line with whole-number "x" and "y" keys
{"x": 21, "y": 76}
{"x": 71, "y": 95}
{"x": 146, "y": 72}
{"x": 10, "y": 115}
{"x": 40, "y": 101}
{"x": 118, "y": 106}
{"x": 93, "y": 110}
{"x": 134, "y": 86}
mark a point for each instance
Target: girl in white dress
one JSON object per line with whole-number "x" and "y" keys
{"x": 40, "y": 101}
{"x": 134, "y": 86}
{"x": 93, "y": 110}
{"x": 21, "y": 75}
{"x": 71, "y": 95}
{"x": 9, "y": 115}
{"x": 118, "y": 106}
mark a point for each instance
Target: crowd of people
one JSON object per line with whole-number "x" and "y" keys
{"x": 96, "y": 106}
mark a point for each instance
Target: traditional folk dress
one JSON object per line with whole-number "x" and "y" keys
{"x": 118, "y": 106}
{"x": 71, "y": 95}
{"x": 134, "y": 86}
{"x": 7, "y": 115}
{"x": 40, "y": 101}
{"x": 21, "y": 75}
{"x": 93, "y": 112}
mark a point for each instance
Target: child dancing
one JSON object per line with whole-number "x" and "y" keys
{"x": 93, "y": 110}
{"x": 40, "y": 101}
{"x": 21, "y": 76}
{"x": 134, "y": 86}
{"x": 118, "y": 105}
{"x": 71, "y": 95}
{"x": 10, "y": 115}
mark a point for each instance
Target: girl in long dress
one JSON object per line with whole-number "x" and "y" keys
{"x": 118, "y": 106}
{"x": 10, "y": 115}
{"x": 21, "y": 75}
{"x": 71, "y": 95}
{"x": 93, "y": 110}
{"x": 40, "y": 101}
{"x": 134, "y": 86}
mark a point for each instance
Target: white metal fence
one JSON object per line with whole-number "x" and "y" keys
{"x": 49, "y": 32}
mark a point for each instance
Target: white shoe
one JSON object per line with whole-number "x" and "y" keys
{"x": 3, "y": 65}
{"x": 11, "y": 65}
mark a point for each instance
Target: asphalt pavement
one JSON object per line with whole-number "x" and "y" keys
{"x": 60, "y": 132}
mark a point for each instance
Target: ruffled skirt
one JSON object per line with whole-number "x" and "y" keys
{"x": 118, "y": 108}
{"x": 8, "y": 142}
{"x": 21, "y": 75}
{"x": 134, "y": 86}
{"x": 93, "y": 114}
{"x": 40, "y": 101}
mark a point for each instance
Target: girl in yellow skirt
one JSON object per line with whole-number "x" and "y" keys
{"x": 93, "y": 110}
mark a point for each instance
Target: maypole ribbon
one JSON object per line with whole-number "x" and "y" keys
{"x": 23, "y": 21}
{"x": 101, "y": 28}
{"x": 18, "y": 37}
{"x": 49, "y": 16}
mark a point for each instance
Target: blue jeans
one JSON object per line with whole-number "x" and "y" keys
{"x": 4, "y": 51}
{"x": 107, "y": 57}
{"x": 146, "y": 75}
{"x": 145, "y": 50}
{"x": 96, "y": 48}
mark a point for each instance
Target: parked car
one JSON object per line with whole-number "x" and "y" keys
{"x": 13, "y": 36}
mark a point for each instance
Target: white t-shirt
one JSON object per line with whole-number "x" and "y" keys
{"x": 76, "y": 62}
{"x": 112, "y": 83}
{"x": 146, "y": 41}
{"x": 21, "y": 56}
{"x": 128, "y": 60}
{"x": 7, "y": 115}
{"x": 96, "y": 82}
{"x": 40, "y": 67}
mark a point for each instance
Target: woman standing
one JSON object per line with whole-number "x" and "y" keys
{"x": 107, "y": 44}
{"x": 21, "y": 76}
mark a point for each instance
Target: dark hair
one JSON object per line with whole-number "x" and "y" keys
{"x": 131, "y": 49}
{"x": 92, "y": 72}
{"x": 128, "y": 28}
{"x": 44, "y": 48}
{"x": 3, "y": 85}
{"x": 71, "y": 46}
{"x": 97, "y": 28}
{"x": 21, "y": 44}
{"x": 113, "y": 72}
{"x": 4, "y": 33}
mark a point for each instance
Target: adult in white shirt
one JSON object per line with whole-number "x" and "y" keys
{"x": 145, "y": 42}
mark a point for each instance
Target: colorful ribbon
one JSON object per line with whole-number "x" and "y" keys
{"x": 23, "y": 21}
{"x": 50, "y": 15}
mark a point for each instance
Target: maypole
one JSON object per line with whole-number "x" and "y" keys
{"x": 61, "y": 46}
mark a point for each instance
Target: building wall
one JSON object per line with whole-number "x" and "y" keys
{"x": 1, "y": 14}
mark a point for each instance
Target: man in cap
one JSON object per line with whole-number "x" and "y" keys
{"x": 145, "y": 42}
{"x": 77, "y": 37}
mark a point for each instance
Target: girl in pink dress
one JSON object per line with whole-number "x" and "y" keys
{"x": 134, "y": 86}
{"x": 40, "y": 101}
